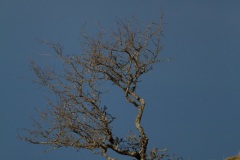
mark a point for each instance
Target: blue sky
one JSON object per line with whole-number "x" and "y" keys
{"x": 193, "y": 102}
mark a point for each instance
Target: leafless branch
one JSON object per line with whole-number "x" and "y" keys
{"x": 77, "y": 118}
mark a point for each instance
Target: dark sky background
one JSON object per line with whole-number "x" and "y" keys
{"x": 193, "y": 102}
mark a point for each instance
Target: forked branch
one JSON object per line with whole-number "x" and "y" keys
{"x": 77, "y": 118}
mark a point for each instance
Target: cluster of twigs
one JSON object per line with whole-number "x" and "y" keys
{"x": 77, "y": 118}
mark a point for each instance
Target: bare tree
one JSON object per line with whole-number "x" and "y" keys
{"x": 77, "y": 118}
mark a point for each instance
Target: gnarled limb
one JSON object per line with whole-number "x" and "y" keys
{"x": 77, "y": 118}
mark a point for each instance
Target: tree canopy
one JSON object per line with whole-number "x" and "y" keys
{"x": 77, "y": 117}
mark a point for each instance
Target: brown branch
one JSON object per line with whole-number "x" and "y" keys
{"x": 77, "y": 118}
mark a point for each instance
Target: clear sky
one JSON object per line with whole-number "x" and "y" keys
{"x": 193, "y": 102}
